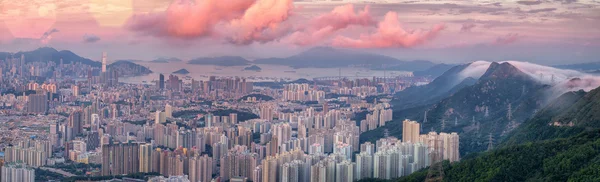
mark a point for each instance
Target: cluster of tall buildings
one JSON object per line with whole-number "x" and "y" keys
{"x": 381, "y": 114}
{"x": 213, "y": 88}
{"x": 17, "y": 172}
{"x": 37, "y": 103}
{"x": 30, "y": 152}
{"x": 445, "y": 145}
{"x": 128, "y": 158}
{"x": 361, "y": 91}
{"x": 302, "y": 92}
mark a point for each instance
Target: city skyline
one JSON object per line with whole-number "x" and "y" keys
{"x": 445, "y": 31}
{"x": 299, "y": 90}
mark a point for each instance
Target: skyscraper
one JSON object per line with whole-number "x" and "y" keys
{"x": 76, "y": 123}
{"x": 161, "y": 81}
{"x": 103, "y": 62}
{"x": 146, "y": 158}
{"x": 168, "y": 111}
{"x": 38, "y": 103}
{"x": 12, "y": 172}
{"x": 410, "y": 131}
{"x": 364, "y": 166}
{"x": 201, "y": 168}
{"x": 120, "y": 159}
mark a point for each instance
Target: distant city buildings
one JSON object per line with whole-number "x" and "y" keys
{"x": 210, "y": 129}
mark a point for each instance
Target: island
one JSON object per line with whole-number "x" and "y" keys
{"x": 166, "y": 60}
{"x": 182, "y": 72}
{"x": 126, "y": 68}
{"x": 252, "y": 68}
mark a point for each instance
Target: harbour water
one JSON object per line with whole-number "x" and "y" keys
{"x": 268, "y": 72}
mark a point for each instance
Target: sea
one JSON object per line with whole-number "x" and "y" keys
{"x": 267, "y": 74}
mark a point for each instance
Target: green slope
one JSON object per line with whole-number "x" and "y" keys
{"x": 568, "y": 159}
{"x": 464, "y": 111}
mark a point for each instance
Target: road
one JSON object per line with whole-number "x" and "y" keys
{"x": 59, "y": 171}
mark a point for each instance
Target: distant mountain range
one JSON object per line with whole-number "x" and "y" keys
{"x": 327, "y": 57}
{"x": 166, "y": 60}
{"x": 125, "y": 68}
{"x": 51, "y": 54}
{"x": 593, "y": 66}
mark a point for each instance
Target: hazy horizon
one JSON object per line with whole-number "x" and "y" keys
{"x": 542, "y": 32}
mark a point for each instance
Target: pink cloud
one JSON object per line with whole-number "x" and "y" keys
{"x": 261, "y": 22}
{"x": 189, "y": 18}
{"x": 507, "y": 39}
{"x": 390, "y": 34}
{"x": 325, "y": 25}
{"x": 239, "y": 21}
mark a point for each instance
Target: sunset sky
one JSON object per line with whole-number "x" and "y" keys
{"x": 546, "y": 31}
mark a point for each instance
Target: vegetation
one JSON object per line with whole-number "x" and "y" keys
{"x": 572, "y": 159}
{"x": 561, "y": 143}
{"x": 242, "y": 115}
{"x": 139, "y": 122}
{"x": 44, "y": 175}
{"x": 76, "y": 168}
{"x": 258, "y": 97}
{"x": 187, "y": 113}
{"x": 144, "y": 176}
{"x": 464, "y": 111}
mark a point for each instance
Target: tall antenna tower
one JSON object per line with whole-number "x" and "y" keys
{"x": 487, "y": 112}
{"x": 455, "y": 121}
{"x": 509, "y": 113}
{"x": 443, "y": 124}
{"x": 386, "y": 133}
{"x": 490, "y": 142}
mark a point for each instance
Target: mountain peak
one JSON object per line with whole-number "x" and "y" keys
{"x": 503, "y": 70}
{"x": 46, "y": 49}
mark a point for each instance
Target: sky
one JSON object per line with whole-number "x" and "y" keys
{"x": 546, "y": 32}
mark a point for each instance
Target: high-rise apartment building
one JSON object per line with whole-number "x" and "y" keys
{"x": 75, "y": 124}
{"x": 145, "y": 158}
{"x": 120, "y": 159}
{"x": 410, "y": 131}
{"x": 201, "y": 168}
{"x": 37, "y": 103}
{"x": 103, "y": 62}
{"x": 17, "y": 172}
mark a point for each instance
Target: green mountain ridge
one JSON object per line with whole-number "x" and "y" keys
{"x": 568, "y": 115}
{"x": 127, "y": 68}
{"x": 569, "y": 159}
{"x": 476, "y": 111}
{"x": 560, "y": 143}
